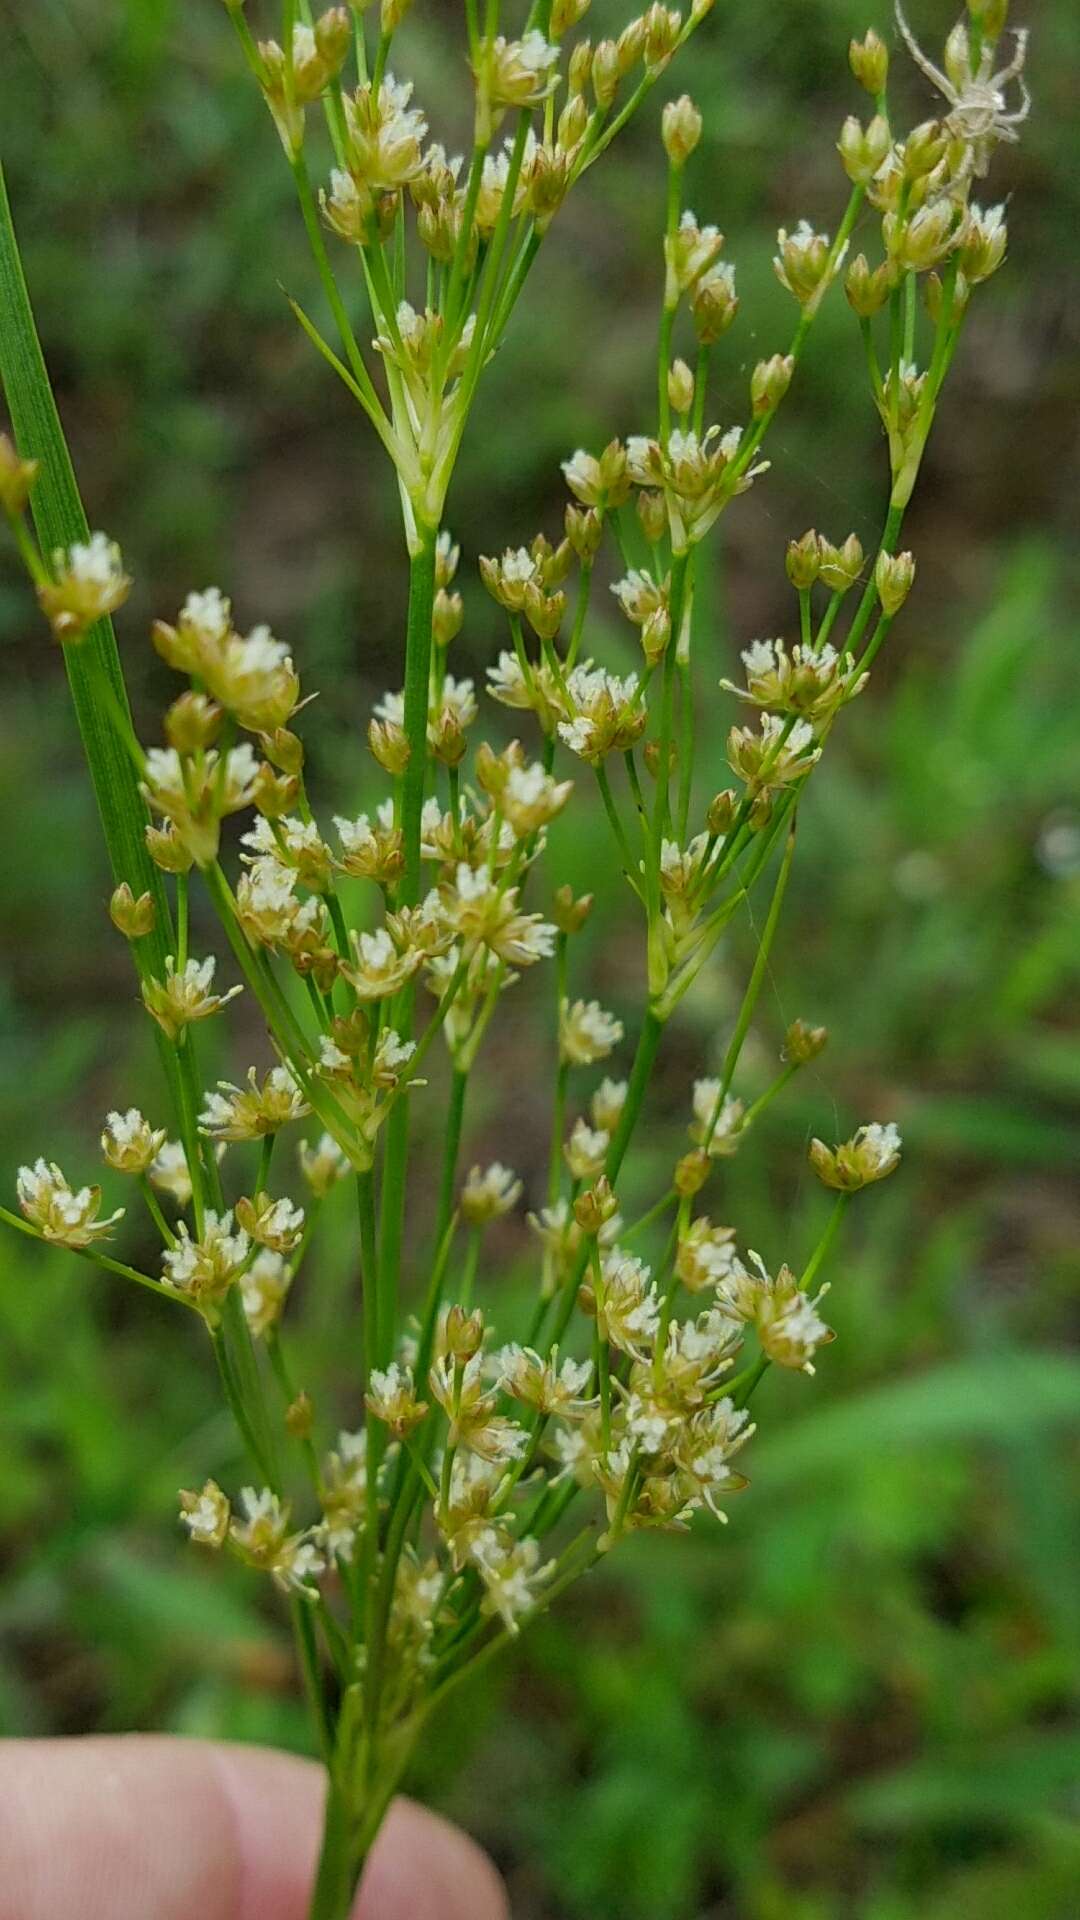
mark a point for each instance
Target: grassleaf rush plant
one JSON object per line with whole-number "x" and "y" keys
{"x": 484, "y": 1472}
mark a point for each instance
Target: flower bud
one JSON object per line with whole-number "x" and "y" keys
{"x": 934, "y": 293}
{"x": 894, "y": 576}
{"x": 579, "y": 68}
{"x": 389, "y": 744}
{"x": 662, "y": 25}
{"x": 769, "y": 382}
{"x": 300, "y": 1417}
{"x": 691, "y": 1172}
{"x": 867, "y": 291}
{"x": 681, "y": 129}
{"x": 463, "y": 1332}
{"x": 761, "y": 812}
{"x": 803, "y": 561}
{"x": 569, "y": 914}
{"x": 923, "y": 148}
{"x": 652, "y": 513}
{"x": 680, "y": 386}
{"x": 630, "y": 45}
{"x": 565, "y": 14}
{"x": 573, "y": 121}
{"x": 275, "y": 794}
{"x": 594, "y": 1208}
{"x": 869, "y": 59}
{"x": 447, "y": 616}
{"x": 192, "y": 723}
{"x": 841, "y": 566}
{"x": 133, "y": 918}
{"x": 167, "y": 850}
{"x": 605, "y": 73}
{"x": 721, "y": 811}
{"x": 584, "y": 531}
{"x": 284, "y": 748}
{"x": 656, "y": 636}
{"x": 651, "y": 757}
{"x": 862, "y": 150}
{"x": 714, "y": 303}
{"x": 803, "y": 1043}
{"x": 17, "y": 476}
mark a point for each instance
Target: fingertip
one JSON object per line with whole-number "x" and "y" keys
{"x": 423, "y": 1868}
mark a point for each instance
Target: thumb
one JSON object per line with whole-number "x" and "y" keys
{"x": 145, "y": 1828}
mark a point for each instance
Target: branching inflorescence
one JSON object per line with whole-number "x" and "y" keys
{"x": 441, "y": 1520}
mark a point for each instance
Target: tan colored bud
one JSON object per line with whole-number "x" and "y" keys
{"x": 300, "y": 1417}
{"x": 803, "y": 560}
{"x": 605, "y": 73}
{"x": 447, "y": 739}
{"x": 390, "y": 746}
{"x": 691, "y": 1172}
{"x": 721, "y": 811}
{"x": 769, "y": 382}
{"x": 594, "y": 1208}
{"x": 333, "y": 37}
{"x": 631, "y": 45}
{"x": 680, "y": 386}
{"x": 350, "y": 1032}
{"x": 565, "y": 14}
{"x": 656, "y": 636}
{"x": 869, "y": 59}
{"x": 867, "y": 292}
{"x": 894, "y": 577}
{"x": 284, "y": 748}
{"x": 192, "y": 723}
{"x": 133, "y": 918}
{"x": 167, "y": 850}
{"x": 923, "y": 148}
{"x": 544, "y": 611}
{"x": 862, "y": 149}
{"x": 275, "y": 794}
{"x": 761, "y": 812}
{"x": 463, "y": 1332}
{"x": 935, "y": 296}
{"x": 841, "y": 566}
{"x": 573, "y": 121}
{"x": 584, "y": 531}
{"x": 652, "y": 513}
{"x": 681, "y": 129}
{"x": 579, "y": 68}
{"x": 447, "y": 616}
{"x": 662, "y": 25}
{"x": 568, "y": 913}
{"x": 713, "y": 304}
{"x": 392, "y": 13}
{"x": 17, "y": 476}
{"x": 651, "y": 757}
{"x": 803, "y": 1043}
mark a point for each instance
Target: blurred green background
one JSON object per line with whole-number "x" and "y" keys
{"x": 859, "y": 1700}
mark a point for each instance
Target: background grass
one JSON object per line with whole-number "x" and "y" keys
{"x": 860, "y": 1699}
